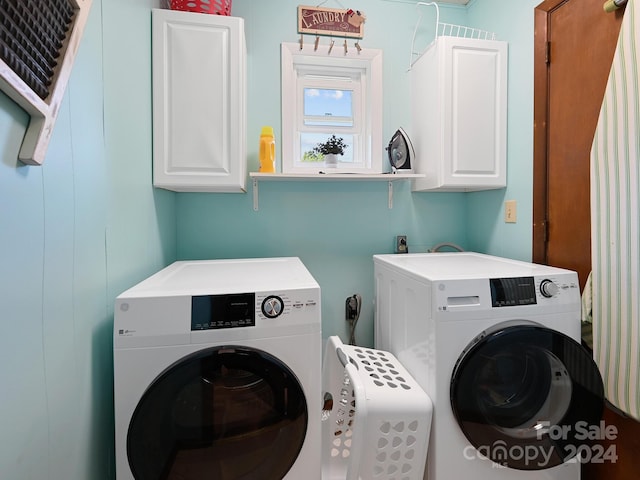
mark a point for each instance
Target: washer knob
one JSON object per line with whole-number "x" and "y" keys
{"x": 548, "y": 289}
{"x": 272, "y": 306}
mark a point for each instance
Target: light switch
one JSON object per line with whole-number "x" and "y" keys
{"x": 510, "y": 214}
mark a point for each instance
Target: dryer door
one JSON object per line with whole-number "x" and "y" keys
{"x": 225, "y": 412}
{"x": 527, "y": 397}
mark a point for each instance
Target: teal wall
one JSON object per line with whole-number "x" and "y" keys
{"x": 335, "y": 228}
{"x": 88, "y": 224}
{"x": 73, "y": 234}
{"x": 486, "y": 230}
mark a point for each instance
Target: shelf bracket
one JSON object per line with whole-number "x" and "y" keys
{"x": 255, "y": 194}
{"x": 390, "y": 194}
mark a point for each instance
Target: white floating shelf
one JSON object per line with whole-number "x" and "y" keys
{"x": 328, "y": 177}
{"x": 353, "y": 177}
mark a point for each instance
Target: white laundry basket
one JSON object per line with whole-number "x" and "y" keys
{"x": 376, "y": 418}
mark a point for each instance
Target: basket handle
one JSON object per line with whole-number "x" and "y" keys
{"x": 342, "y": 357}
{"x": 415, "y": 30}
{"x": 358, "y": 440}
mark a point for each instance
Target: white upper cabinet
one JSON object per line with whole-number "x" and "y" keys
{"x": 459, "y": 115}
{"x": 199, "y": 102}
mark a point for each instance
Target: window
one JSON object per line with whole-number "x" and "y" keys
{"x": 325, "y": 94}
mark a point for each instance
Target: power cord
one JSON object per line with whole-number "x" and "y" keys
{"x": 352, "y": 313}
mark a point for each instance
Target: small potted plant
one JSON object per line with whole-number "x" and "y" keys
{"x": 329, "y": 149}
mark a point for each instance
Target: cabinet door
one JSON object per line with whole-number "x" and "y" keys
{"x": 475, "y": 119}
{"x": 199, "y": 90}
{"x": 459, "y": 90}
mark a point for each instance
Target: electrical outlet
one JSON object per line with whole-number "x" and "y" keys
{"x": 510, "y": 213}
{"x": 351, "y": 308}
{"x": 401, "y": 244}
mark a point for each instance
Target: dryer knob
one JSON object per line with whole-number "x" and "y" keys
{"x": 272, "y": 306}
{"x": 548, "y": 288}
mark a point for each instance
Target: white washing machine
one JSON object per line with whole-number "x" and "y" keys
{"x": 217, "y": 368}
{"x": 496, "y": 345}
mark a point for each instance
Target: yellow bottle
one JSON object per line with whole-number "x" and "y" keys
{"x": 267, "y": 152}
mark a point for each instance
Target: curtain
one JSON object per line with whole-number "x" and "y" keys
{"x": 615, "y": 224}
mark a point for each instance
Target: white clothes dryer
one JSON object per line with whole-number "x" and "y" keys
{"x": 496, "y": 345}
{"x": 217, "y": 368}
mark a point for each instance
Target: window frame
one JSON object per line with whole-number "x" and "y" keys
{"x": 308, "y": 67}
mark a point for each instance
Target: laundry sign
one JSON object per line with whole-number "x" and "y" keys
{"x": 330, "y": 21}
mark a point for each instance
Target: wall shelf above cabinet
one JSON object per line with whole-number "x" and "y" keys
{"x": 329, "y": 177}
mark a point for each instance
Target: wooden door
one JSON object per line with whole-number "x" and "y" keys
{"x": 574, "y": 45}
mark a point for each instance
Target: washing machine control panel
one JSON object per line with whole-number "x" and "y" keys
{"x": 238, "y": 310}
{"x": 210, "y": 312}
{"x": 286, "y": 307}
{"x": 506, "y": 292}
{"x": 516, "y": 291}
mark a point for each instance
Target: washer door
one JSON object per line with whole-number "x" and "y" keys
{"x": 225, "y": 412}
{"x": 527, "y": 397}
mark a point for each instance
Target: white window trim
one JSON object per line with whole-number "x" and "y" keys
{"x": 367, "y": 138}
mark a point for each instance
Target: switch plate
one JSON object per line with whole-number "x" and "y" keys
{"x": 510, "y": 211}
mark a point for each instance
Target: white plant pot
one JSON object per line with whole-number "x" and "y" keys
{"x": 331, "y": 160}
